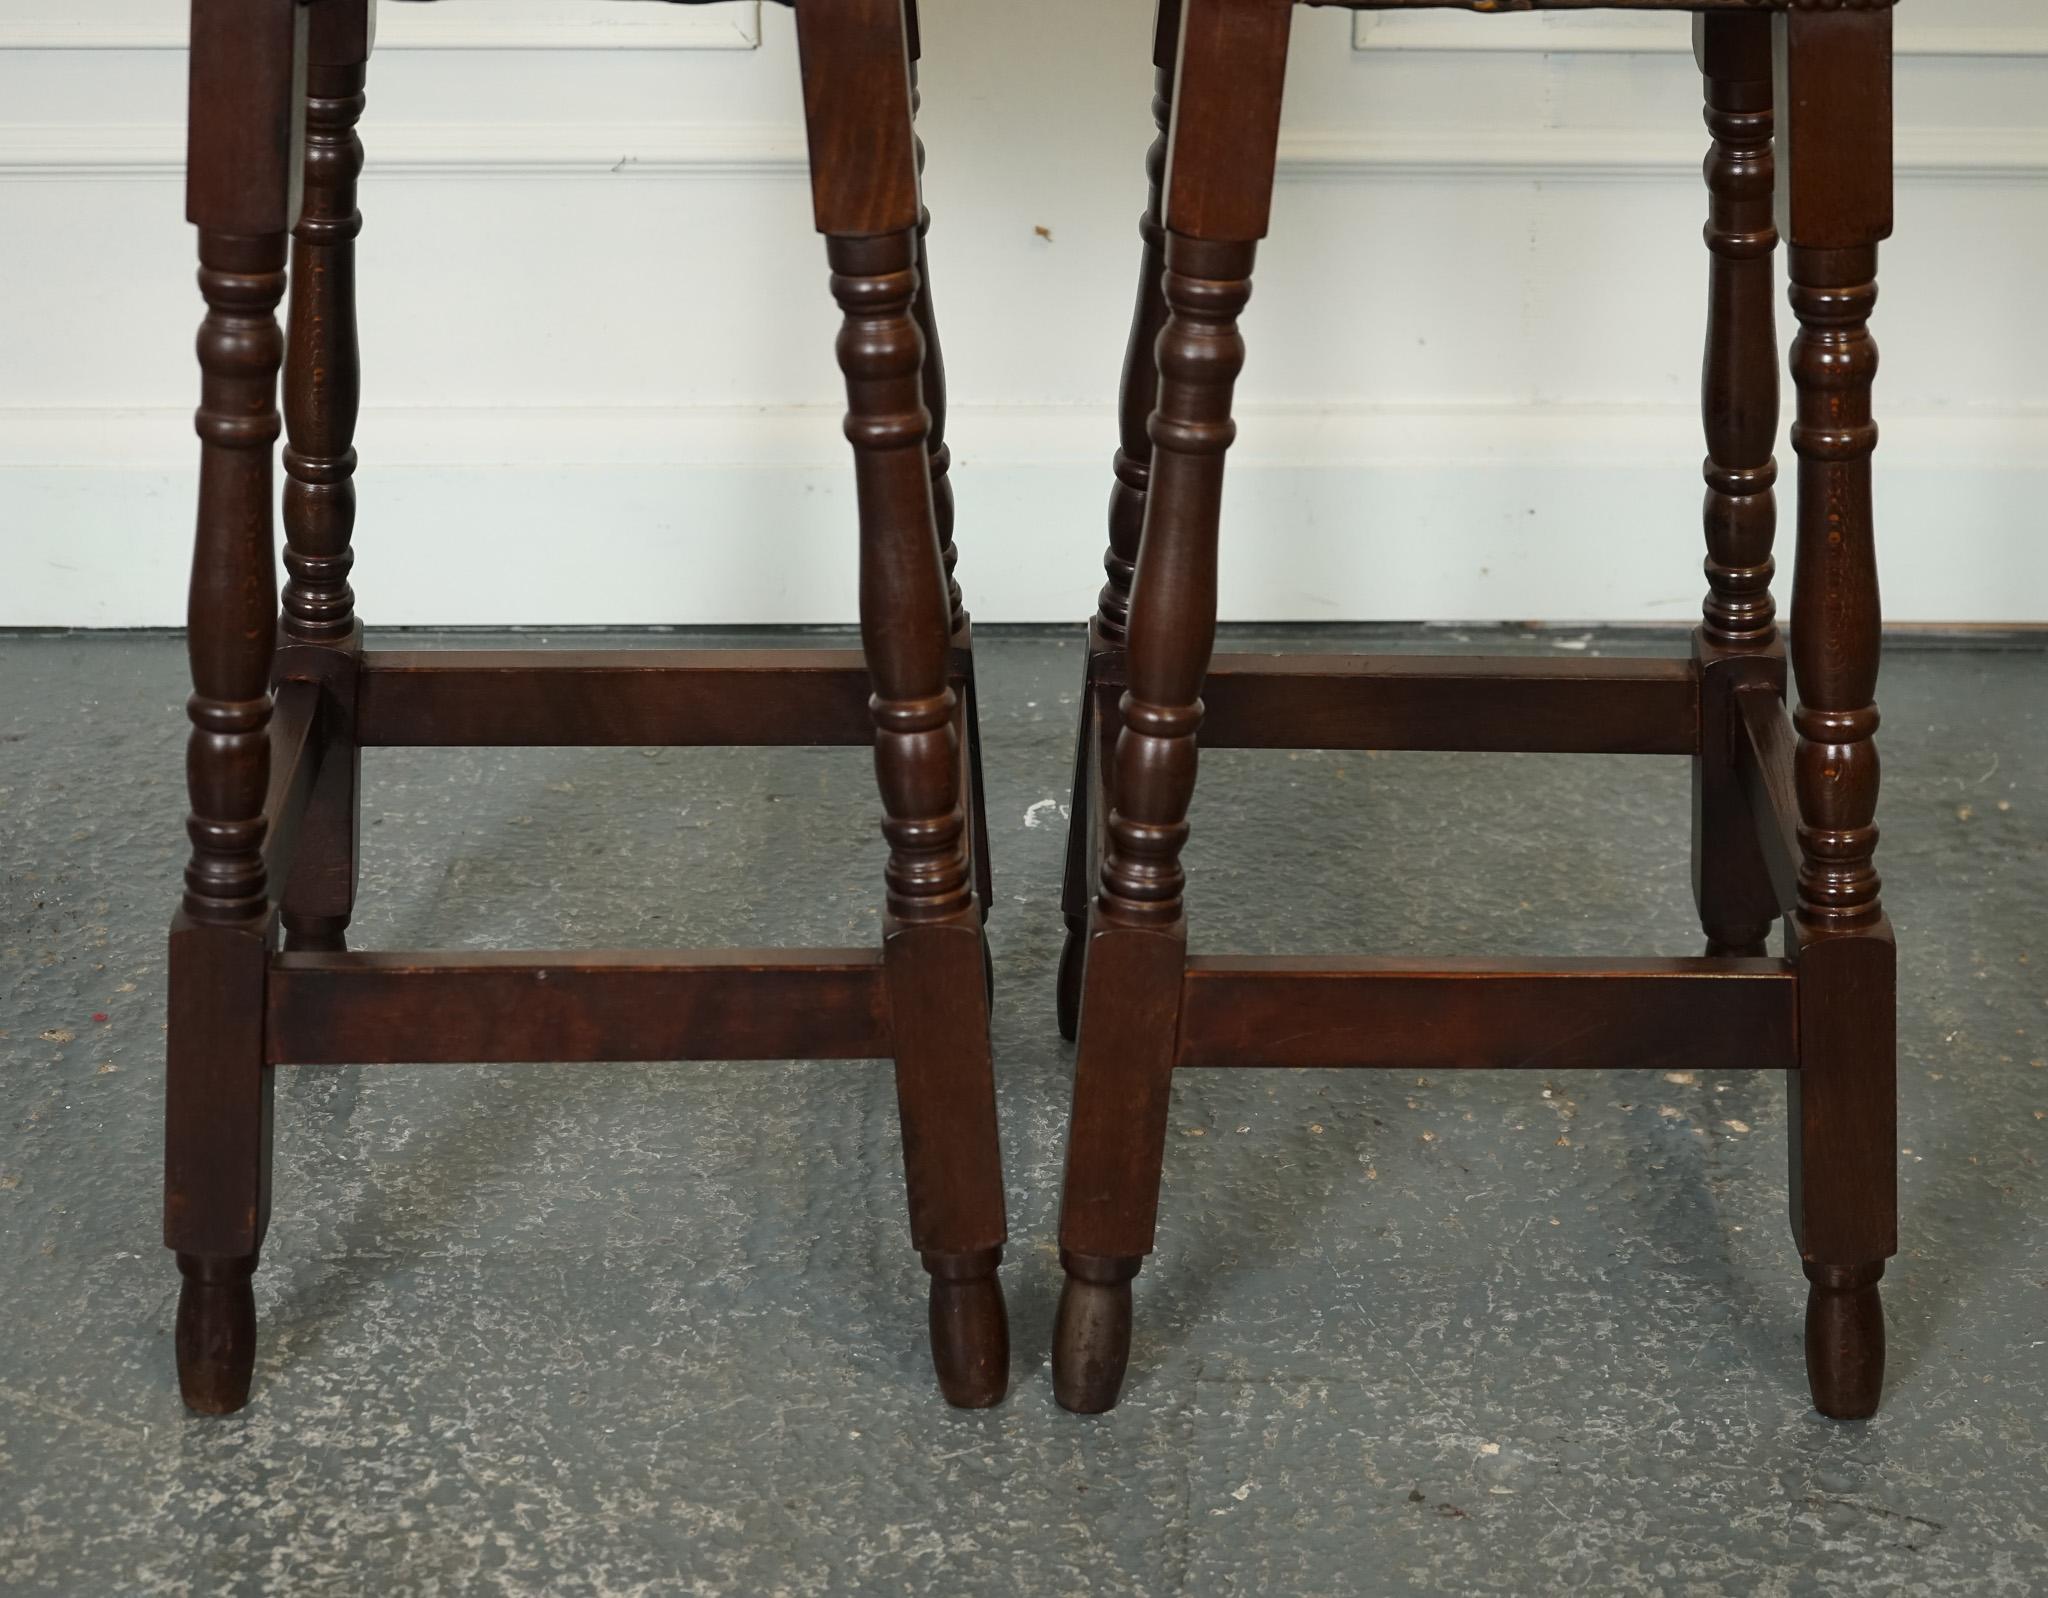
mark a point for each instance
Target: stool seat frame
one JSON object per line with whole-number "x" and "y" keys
{"x": 1798, "y": 107}
{"x": 286, "y": 700}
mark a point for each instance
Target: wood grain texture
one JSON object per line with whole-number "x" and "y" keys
{"x": 1130, "y": 1019}
{"x": 1833, "y": 91}
{"x": 546, "y": 1006}
{"x": 245, "y": 142}
{"x": 1843, "y": 1153}
{"x": 953, "y": 1177}
{"x": 1473, "y": 1014}
{"x": 857, "y": 110}
{"x": 1474, "y": 703}
{"x": 1226, "y": 125}
{"x": 655, "y": 698}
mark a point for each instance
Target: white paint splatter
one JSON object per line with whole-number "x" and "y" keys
{"x": 1035, "y": 816}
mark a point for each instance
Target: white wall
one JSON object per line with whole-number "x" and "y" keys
{"x": 598, "y": 339}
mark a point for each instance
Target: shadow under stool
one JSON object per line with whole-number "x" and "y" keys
{"x": 285, "y": 702}
{"x": 1783, "y": 805}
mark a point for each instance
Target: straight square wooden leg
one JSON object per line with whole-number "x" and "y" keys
{"x": 945, "y": 1094}
{"x": 1834, "y": 85}
{"x": 1225, "y": 134}
{"x": 864, "y": 175}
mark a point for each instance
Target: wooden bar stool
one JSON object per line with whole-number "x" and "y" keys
{"x": 1783, "y": 806}
{"x": 284, "y": 705}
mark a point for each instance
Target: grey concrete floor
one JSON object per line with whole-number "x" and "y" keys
{"x": 658, "y": 1330}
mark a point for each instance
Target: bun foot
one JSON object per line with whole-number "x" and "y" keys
{"x": 970, "y": 1328}
{"x": 1091, "y": 1341}
{"x": 216, "y": 1333}
{"x": 1073, "y": 963}
{"x": 1845, "y": 1339}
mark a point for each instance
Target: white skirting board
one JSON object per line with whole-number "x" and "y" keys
{"x": 1474, "y": 348}
{"x": 652, "y": 517}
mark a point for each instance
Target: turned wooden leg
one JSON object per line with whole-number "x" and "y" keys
{"x": 941, "y": 458}
{"x": 1225, "y": 131}
{"x": 1834, "y": 72}
{"x": 1140, "y": 388}
{"x": 320, "y": 637}
{"x": 939, "y": 1004}
{"x": 1133, "y": 471}
{"x": 1737, "y": 643}
{"x": 864, "y": 174}
{"x": 217, "y": 1091}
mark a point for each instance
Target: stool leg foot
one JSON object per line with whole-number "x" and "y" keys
{"x": 1073, "y": 965}
{"x": 1845, "y": 1339}
{"x": 1745, "y": 949}
{"x": 216, "y": 1336}
{"x": 1091, "y": 1343}
{"x": 970, "y": 1328}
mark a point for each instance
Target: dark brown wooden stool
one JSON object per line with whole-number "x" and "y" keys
{"x": 283, "y": 708}
{"x": 1783, "y": 806}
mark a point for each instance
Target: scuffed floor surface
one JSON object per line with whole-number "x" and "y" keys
{"x": 658, "y": 1330}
